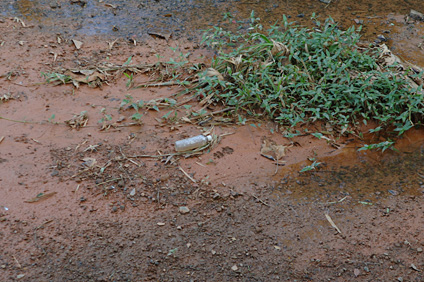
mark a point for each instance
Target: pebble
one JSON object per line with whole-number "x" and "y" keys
{"x": 132, "y": 193}
{"x": 357, "y": 21}
{"x": 420, "y": 250}
{"x": 234, "y": 268}
{"x": 184, "y": 210}
{"x": 382, "y": 38}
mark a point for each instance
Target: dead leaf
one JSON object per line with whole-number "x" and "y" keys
{"x": 332, "y": 223}
{"x": 89, "y": 162}
{"x": 77, "y": 44}
{"x": 161, "y": 35}
{"x": 78, "y": 121}
{"x": 272, "y": 151}
{"x": 18, "y": 20}
{"x": 41, "y": 197}
{"x": 386, "y": 56}
{"x": 111, "y": 5}
{"x": 279, "y": 48}
{"x": 54, "y": 56}
{"x": 213, "y": 72}
{"x": 414, "y": 267}
{"x": 111, "y": 43}
{"x": 85, "y": 76}
{"x": 186, "y": 119}
{"x": 236, "y": 61}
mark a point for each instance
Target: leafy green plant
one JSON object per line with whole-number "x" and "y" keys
{"x": 312, "y": 166}
{"x": 106, "y": 117}
{"x": 383, "y": 146}
{"x": 297, "y": 75}
{"x": 51, "y": 119}
{"x": 130, "y": 79}
{"x": 56, "y": 78}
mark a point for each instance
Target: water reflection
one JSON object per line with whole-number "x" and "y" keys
{"x": 134, "y": 17}
{"x": 366, "y": 176}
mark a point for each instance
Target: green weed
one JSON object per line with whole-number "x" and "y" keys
{"x": 310, "y": 167}
{"x": 297, "y": 75}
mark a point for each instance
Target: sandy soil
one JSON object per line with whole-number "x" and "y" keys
{"x": 89, "y": 204}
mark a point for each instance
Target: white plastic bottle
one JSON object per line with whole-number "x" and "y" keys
{"x": 192, "y": 143}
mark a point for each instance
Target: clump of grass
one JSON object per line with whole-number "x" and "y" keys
{"x": 297, "y": 75}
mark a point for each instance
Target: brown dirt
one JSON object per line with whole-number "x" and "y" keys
{"x": 120, "y": 219}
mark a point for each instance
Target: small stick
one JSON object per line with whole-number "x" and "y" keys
{"x": 186, "y": 174}
{"x": 21, "y": 121}
{"x": 254, "y": 196}
{"x": 1, "y": 139}
{"x": 200, "y": 164}
{"x": 109, "y": 181}
{"x": 134, "y": 162}
{"x": 339, "y": 201}
{"x": 44, "y": 223}
{"x": 17, "y": 262}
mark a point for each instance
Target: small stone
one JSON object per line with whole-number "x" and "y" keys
{"x": 416, "y": 15}
{"x": 213, "y": 252}
{"x": 184, "y": 210}
{"x": 234, "y": 268}
{"x": 164, "y": 177}
{"x": 20, "y": 276}
{"x": 3, "y": 266}
{"x": 132, "y": 193}
{"x": 357, "y": 21}
{"x": 420, "y": 250}
{"x": 393, "y": 192}
{"x": 400, "y": 279}
{"x": 381, "y": 38}
{"x": 161, "y": 223}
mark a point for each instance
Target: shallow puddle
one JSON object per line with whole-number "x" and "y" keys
{"x": 133, "y": 19}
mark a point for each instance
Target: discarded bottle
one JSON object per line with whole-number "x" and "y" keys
{"x": 192, "y": 143}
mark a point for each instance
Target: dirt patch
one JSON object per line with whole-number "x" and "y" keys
{"x": 98, "y": 202}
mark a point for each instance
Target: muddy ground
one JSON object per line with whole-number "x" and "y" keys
{"x": 92, "y": 199}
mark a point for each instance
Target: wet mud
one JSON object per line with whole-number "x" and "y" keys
{"x": 85, "y": 205}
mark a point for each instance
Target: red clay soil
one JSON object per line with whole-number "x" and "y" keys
{"x": 89, "y": 205}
